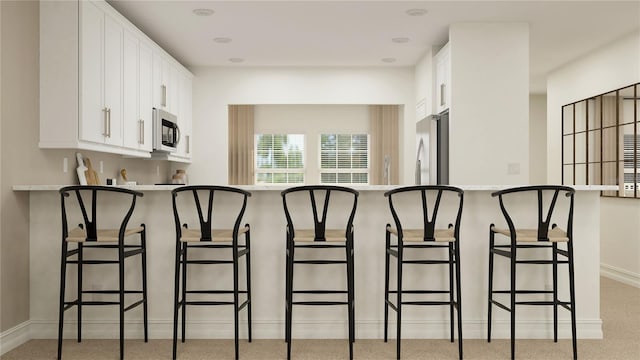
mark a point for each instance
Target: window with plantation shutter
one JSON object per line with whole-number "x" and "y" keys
{"x": 344, "y": 159}
{"x": 279, "y": 159}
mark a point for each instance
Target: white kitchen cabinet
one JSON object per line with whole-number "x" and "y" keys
{"x": 97, "y": 75}
{"x": 166, "y": 86}
{"x": 443, "y": 79}
{"x": 130, "y": 72}
{"x": 185, "y": 115}
{"x": 137, "y": 94}
{"x": 172, "y": 92}
{"x": 145, "y": 103}
{"x": 101, "y": 76}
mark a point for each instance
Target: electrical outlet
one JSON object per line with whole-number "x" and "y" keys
{"x": 101, "y": 167}
{"x": 65, "y": 165}
{"x": 513, "y": 168}
{"x": 157, "y": 170}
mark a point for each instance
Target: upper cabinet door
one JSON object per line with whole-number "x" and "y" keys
{"x": 170, "y": 83}
{"x": 132, "y": 131}
{"x": 184, "y": 115}
{"x": 159, "y": 91}
{"x": 113, "y": 34}
{"x": 145, "y": 91}
{"x": 443, "y": 82}
{"x": 93, "y": 114}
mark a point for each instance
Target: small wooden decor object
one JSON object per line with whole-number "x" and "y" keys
{"x": 90, "y": 174}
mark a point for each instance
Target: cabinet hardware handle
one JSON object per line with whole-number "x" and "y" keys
{"x": 188, "y": 137}
{"x": 106, "y": 124}
{"x": 442, "y": 94}
{"x": 164, "y": 95}
{"x": 109, "y": 122}
{"x": 141, "y": 129}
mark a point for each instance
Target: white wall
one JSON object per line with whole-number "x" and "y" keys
{"x": 489, "y": 115}
{"x": 537, "y": 139}
{"x": 312, "y": 121}
{"x": 606, "y": 69}
{"x": 214, "y": 88}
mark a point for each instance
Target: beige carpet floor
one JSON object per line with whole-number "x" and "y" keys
{"x": 620, "y": 311}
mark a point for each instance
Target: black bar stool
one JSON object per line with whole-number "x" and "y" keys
{"x": 87, "y": 235}
{"x": 231, "y": 204}
{"x": 534, "y": 238}
{"x": 423, "y": 236}
{"x": 320, "y": 237}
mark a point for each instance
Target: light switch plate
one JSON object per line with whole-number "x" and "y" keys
{"x": 513, "y": 168}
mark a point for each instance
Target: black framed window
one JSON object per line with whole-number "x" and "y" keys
{"x": 601, "y": 142}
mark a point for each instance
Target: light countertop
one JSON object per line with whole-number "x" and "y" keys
{"x": 283, "y": 187}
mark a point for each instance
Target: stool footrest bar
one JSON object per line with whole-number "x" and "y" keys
{"x": 320, "y": 303}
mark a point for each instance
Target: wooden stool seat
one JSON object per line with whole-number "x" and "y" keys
{"x": 417, "y": 235}
{"x": 78, "y": 234}
{"x": 531, "y": 235}
{"x": 217, "y": 235}
{"x": 330, "y": 235}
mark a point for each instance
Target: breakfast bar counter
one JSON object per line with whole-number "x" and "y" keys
{"x": 267, "y": 220}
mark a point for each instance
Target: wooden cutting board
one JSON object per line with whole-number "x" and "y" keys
{"x": 90, "y": 174}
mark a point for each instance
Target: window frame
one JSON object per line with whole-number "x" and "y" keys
{"x": 338, "y": 170}
{"x": 274, "y": 171}
{"x": 606, "y": 158}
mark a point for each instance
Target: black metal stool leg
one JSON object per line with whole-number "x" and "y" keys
{"x": 290, "y": 302}
{"x": 572, "y": 294}
{"x": 555, "y": 291}
{"x": 513, "y": 299}
{"x": 459, "y": 298}
{"x": 248, "y": 262}
{"x": 235, "y": 301}
{"x": 286, "y": 291}
{"x": 386, "y": 284}
{"x": 451, "y": 321}
{"x": 176, "y": 298}
{"x": 145, "y": 313}
{"x": 399, "y": 303}
{"x": 184, "y": 290}
{"x": 80, "y": 260}
{"x": 121, "y": 289}
{"x": 349, "y": 255}
{"x": 63, "y": 273}
{"x": 490, "y": 292}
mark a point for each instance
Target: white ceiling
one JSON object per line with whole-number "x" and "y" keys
{"x": 359, "y": 33}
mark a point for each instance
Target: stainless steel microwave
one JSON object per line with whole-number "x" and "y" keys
{"x": 166, "y": 133}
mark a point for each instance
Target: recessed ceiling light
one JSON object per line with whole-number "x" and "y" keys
{"x": 400, "y": 40}
{"x": 203, "y": 12}
{"x": 389, "y": 60}
{"x": 236, "y": 60}
{"x": 416, "y": 12}
{"x": 222, "y": 40}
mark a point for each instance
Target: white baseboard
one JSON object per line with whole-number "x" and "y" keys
{"x": 317, "y": 329}
{"x": 621, "y": 275}
{"x": 14, "y": 337}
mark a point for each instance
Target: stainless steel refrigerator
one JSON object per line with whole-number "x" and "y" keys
{"x": 432, "y": 144}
